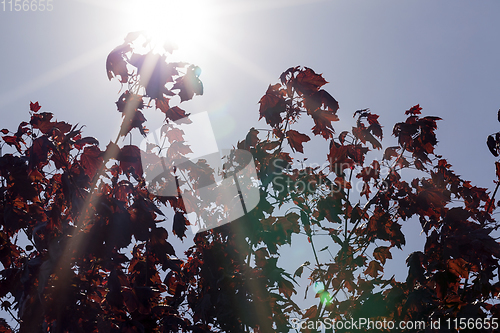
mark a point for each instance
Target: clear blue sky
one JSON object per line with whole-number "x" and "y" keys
{"x": 386, "y": 55}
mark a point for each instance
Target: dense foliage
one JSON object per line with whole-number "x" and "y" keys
{"x": 99, "y": 258}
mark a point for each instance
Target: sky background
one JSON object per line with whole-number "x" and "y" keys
{"x": 386, "y": 55}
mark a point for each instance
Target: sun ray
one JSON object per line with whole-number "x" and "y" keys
{"x": 56, "y": 73}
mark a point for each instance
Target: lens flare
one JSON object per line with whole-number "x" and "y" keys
{"x": 186, "y": 24}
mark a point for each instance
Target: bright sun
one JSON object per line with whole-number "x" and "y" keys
{"x": 185, "y": 23}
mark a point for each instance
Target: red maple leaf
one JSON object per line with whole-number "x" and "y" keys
{"x": 318, "y": 99}
{"x": 374, "y": 127}
{"x": 91, "y": 160}
{"x": 130, "y": 159}
{"x": 133, "y": 120}
{"x": 357, "y": 153}
{"x": 364, "y": 135}
{"x": 176, "y": 113}
{"x": 172, "y": 133}
{"x": 39, "y": 152}
{"x": 34, "y": 106}
{"x": 179, "y": 148}
{"x": 295, "y": 139}
{"x": 189, "y": 84}
{"x": 373, "y": 268}
{"x": 390, "y": 152}
{"x": 272, "y": 104}
{"x": 116, "y": 65}
{"x": 307, "y": 81}
{"x": 13, "y": 140}
{"x": 154, "y": 78}
{"x": 311, "y": 312}
{"x": 252, "y": 138}
{"x": 86, "y": 141}
{"x": 368, "y": 173}
{"x": 382, "y": 253}
{"x": 339, "y": 159}
{"x": 123, "y": 190}
{"x": 414, "y": 110}
{"x": 42, "y": 121}
{"x": 133, "y": 101}
{"x": 179, "y": 226}
{"x": 323, "y": 123}
{"x": 172, "y": 113}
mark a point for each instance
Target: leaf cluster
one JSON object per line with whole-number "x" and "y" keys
{"x": 100, "y": 257}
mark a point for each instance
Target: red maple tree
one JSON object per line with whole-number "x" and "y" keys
{"x": 98, "y": 259}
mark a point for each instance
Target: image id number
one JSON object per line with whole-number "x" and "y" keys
{"x": 27, "y": 5}
{"x": 472, "y": 324}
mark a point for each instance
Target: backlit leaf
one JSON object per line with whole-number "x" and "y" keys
{"x": 91, "y": 160}
{"x": 180, "y": 224}
{"x": 130, "y": 159}
{"x": 39, "y": 152}
{"x": 86, "y": 141}
{"x": 116, "y": 65}
{"x": 307, "y": 81}
{"x": 296, "y": 139}
{"x": 189, "y": 84}
{"x": 311, "y": 312}
{"x": 414, "y": 110}
{"x": 459, "y": 267}
{"x": 272, "y": 104}
{"x": 492, "y": 145}
{"x": 34, "y": 106}
{"x": 390, "y": 152}
{"x": 382, "y": 253}
{"x": 252, "y": 139}
{"x": 323, "y": 123}
{"x": 373, "y": 269}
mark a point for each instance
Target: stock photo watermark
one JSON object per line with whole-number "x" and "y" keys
{"x": 210, "y": 202}
{"x": 384, "y": 324}
{"x": 304, "y": 182}
{"x": 227, "y": 186}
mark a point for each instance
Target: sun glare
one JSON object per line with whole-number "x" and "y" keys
{"x": 184, "y": 23}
